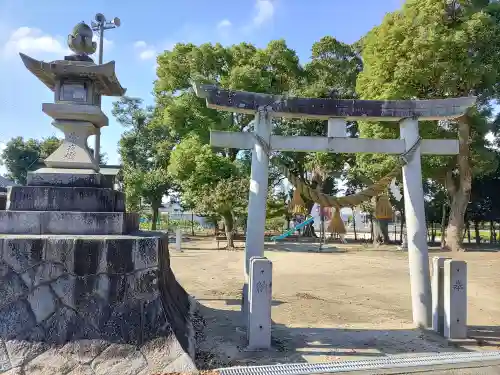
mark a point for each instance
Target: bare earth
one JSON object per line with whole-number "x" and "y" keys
{"x": 347, "y": 303}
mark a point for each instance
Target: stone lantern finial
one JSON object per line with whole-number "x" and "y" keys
{"x": 80, "y": 42}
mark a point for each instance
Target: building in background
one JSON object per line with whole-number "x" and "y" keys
{"x": 173, "y": 209}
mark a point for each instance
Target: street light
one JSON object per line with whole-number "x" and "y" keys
{"x": 100, "y": 25}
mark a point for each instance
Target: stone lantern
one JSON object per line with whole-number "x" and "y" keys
{"x": 78, "y": 85}
{"x": 77, "y": 275}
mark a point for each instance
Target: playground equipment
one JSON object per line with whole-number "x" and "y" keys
{"x": 293, "y": 230}
{"x": 336, "y": 112}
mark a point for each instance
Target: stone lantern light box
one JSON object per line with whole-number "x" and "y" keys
{"x": 78, "y": 84}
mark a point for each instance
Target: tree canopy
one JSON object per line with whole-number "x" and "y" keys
{"x": 427, "y": 49}
{"x": 436, "y": 49}
{"x": 20, "y": 155}
{"x": 144, "y": 149}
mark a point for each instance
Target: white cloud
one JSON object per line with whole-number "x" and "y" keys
{"x": 224, "y": 24}
{"x": 264, "y": 12}
{"x": 31, "y": 40}
{"x": 146, "y": 51}
{"x": 147, "y": 54}
{"x": 140, "y": 44}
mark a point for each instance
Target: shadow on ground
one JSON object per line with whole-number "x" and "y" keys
{"x": 222, "y": 342}
{"x": 234, "y": 301}
{"x": 304, "y": 247}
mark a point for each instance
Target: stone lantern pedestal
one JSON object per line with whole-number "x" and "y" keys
{"x": 83, "y": 290}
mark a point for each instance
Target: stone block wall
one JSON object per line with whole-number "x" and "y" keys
{"x": 50, "y": 198}
{"x": 68, "y": 222}
{"x": 93, "y": 304}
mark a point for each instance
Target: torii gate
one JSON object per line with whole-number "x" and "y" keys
{"x": 337, "y": 111}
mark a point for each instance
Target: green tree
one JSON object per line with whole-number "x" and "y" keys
{"x": 144, "y": 149}
{"x": 151, "y": 185}
{"x": 210, "y": 182}
{"x": 20, "y": 156}
{"x": 196, "y": 167}
{"x": 436, "y": 49}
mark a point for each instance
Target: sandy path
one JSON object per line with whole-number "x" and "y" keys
{"x": 330, "y": 306}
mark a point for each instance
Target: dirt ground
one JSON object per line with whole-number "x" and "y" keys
{"x": 350, "y": 302}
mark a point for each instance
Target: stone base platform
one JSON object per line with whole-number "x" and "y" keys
{"x": 52, "y": 198}
{"x": 68, "y": 222}
{"x": 66, "y": 177}
{"x": 92, "y": 305}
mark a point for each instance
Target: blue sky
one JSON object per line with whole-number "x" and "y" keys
{"x": 39, "y": 29}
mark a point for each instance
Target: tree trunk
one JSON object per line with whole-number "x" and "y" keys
{"x": 401, "y": 228}
{"x": 459, "y": 191}
{"x": 229, "y": 226}
{"x": 433, "y": 233}
{"x": 443, "y": 226}
{"x": 354, "y": 224}
{"x": 308, "y": 230}
{"x": 395, "y": 230}
{"x": 372, "y": 234}
{"x": 467, "y": 225}
{"x": 215, "y": 223}
{"x": 192, "y": 223}
{"x": 154, "y": 211}
{"x": 476, "y": 232}
{"x": 381, "y": 231}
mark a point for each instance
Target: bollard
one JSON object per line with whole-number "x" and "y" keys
{"x": 438, "y": 294}
{"x": 455, "y": 299}
{"x": 260, "y": 298}
{"x": 178, "y": 239}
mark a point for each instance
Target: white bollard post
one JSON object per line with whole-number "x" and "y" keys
{"x": 455, "y": 299}
{"x": 178, "y": 239}
{"x": 418, "y": 255}
{"x": 438, "y": 294}
{"x": 256, "y": 219}
{"x": 260, "y": 298}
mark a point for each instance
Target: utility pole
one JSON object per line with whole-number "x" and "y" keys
{"x": 100, "y": 25}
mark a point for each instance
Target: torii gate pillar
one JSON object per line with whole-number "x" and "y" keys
{"x": 257, "y": 199}
{"x": 418, "y": 254}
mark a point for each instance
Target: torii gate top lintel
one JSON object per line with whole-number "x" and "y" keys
{"x": 349, "y": 109}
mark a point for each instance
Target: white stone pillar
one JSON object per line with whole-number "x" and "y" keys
{"x": 438, "y": 294}
{"x": 416, "y": 228}
{"x": 259, "y": 174}
{"x": 336, "y": 127}
{"x": 455, "y": 299}
{"x": 260, "y": 296}
{"x": 178, "y": 239}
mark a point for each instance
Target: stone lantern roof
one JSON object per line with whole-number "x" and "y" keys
{"x": 50, "y": 72}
